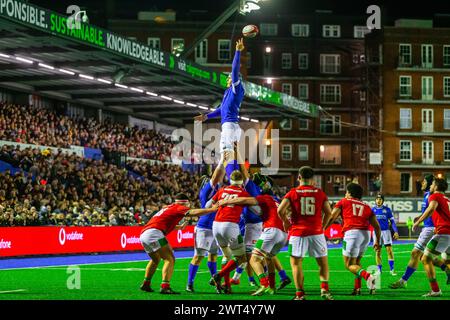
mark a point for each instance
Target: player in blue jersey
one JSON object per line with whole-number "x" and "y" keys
{"x": 425, "y": 236}
{"x": 384, "y": 216}
{"x": 204, "y": 241}
{"x": 231, "y": 103}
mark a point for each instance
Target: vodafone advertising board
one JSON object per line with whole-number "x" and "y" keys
{"x": 23, "y": 241}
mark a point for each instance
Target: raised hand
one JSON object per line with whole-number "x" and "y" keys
{"x": 240, "y": 45}
{"x": 201, "y": 117}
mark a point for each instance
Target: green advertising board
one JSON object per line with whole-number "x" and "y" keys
{"x": 64, "y": 26}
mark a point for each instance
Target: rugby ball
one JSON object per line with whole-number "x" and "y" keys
{"x": 250, "y": 31}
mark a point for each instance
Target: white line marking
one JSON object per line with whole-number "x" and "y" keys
{"x": 10, "y": 291}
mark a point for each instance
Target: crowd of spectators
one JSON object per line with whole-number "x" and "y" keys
{"x": 53, "y": 188}
{"x": 40, "y": 126}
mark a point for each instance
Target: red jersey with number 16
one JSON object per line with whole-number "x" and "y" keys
{"x": 167, "y": 218}
{"x": 306, "y": 203}
{"x": 231, "y": 213}
{"x": 355, "y": 214}
{"x": 441, "y": 216}
{"x": 269, "y": 209}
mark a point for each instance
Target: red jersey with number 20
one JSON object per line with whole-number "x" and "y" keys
{"x": 167, "y": 218}
{"x": 441, "y": 216}
{"x": 306, "y": 203}
{"x": 231, "y": 213}
{"x": 355, "y": 214}
{"x": 269, "y": 209}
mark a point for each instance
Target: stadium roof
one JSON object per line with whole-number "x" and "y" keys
{"x": 42, "y": 53}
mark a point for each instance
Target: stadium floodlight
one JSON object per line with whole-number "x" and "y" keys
{"x": 104, "y": 81}
{"x": 151, "y": 94}
{"x": 322, "y": 148}
{"x": 43, "y": 65}
{"x": 202, "y": 107}
{"x": 24, "y": 60}
{"x": 137, "y": 90}
{"x": 269, "y": 80}
{"x": 178, "y": 101}
{"x": 192, "y": 105}
{"x": 248, "y": 6}
{"x": 254, "y": 120}
{"x": 4, "y": 55}
{"x": 120, "y": 86}
{"x": 268, "y": 142}
{"x": 166, "y": 98}
{"x": 245, "y": 118}
{"x": 67, "y": 72}
{"x": 268, "y": 49}
{"x": 85, "y": 76}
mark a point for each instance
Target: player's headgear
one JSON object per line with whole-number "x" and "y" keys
{"x": 380, "y": 196}
{"x": 265, "y": 183}
{"x": 429, "y": 178}
{"x": 355, "y": 190}
{"x": 181, "y": 197}
{"x": 236, "y": 178}
{"x": 306, "y": 172}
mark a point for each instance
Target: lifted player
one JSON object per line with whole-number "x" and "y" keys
{"x": 440, "y": 242}
{"x": 384, "y": 216}
{"x": 357, "y": 216}
{"x": 153, "y": 239}
{"x": 307, "y": 203}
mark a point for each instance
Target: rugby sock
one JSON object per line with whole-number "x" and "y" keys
{"x": 283, "y": 275}
{"x": 238, "y": 272}
{"x": 408, "y": 273}
{"x": 443, "y": 267}
{"x": 272, "y": 280}
{"x": 230, "y": 266}
{"x": 147, "y": 281}
{"x": 324, "y": 285}
{"x": 264, "y": 279}
{"x": 299, "y": 292}
{"x": 363, "y": 273}
{"x": 357, "y": 282}
{"x": 192, "y": 272}
{"x": 226, "y": 278}
{"x": 251, "y": 279}
{"x": 434, "y": 285}
{"x": 391, "y": 264}
{"x": 212, "y": 266}
{"x": 165, "y": 285}
{"x": 380, "y": 267}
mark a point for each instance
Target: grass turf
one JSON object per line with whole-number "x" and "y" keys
{"x": 122, "y": 281}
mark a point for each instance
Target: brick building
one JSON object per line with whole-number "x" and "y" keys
{"x": 415, "y": 77}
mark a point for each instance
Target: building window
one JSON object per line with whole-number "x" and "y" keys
{"x": 154, "y": 43}
{"x": 303, "y": 61}
{"x": 286, "y": 88}
{"x": 303, "y": 89}
{"x": 300, "y": 30}
{"x": 285, "y": 124}
{"x": 330, "y": 93}
{"x": 446, "y": 56}
{"x": 446, "y": 87}
{"x": 360, "y": 31}
{"x": 177, "y": 45}
{"x": 331, "y": 31}
{"x": 404, "y": 54}
{"x": 405, "y": 86}
{"x": 427, "y": 152}
{"x": 427, "y": 56}
{"x": 268, "y": 29}
{"x": 330, "y": 125}
{"x": 201, "y": 52}
{"x": 405, "y": 182}
{"x": 447, "y": 119}
{"x": 405, "y": 150}
{"x": 224, "y": 47}
{"x": 446, "y": 150}
{"x": 330, "y": 154}
{"x": 362, "y": 95}
{"x": 286, "y": 60}
{"x": 303, "y": 124}
{"x": 303, "y": 153}
{"x": 405, "y": 118}
{"x": 249, "y": 60}
{"x": 286, "y": 153}
{"x": 330, "y": 63}
{"x": 427, "y": 88}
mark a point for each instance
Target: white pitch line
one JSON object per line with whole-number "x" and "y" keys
{"x": 11, "y": 291}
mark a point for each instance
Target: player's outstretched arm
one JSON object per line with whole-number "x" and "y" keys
{"x": 334, "y": 215}
{"x": 201, "y": 212}
{"x": 326, "y": 209}
{"x": 376, "y": 227}
{"x": 242, "y": 201}
{"x": 237, "y": 61}
{"x": 219, "y": 172}
{"x": 181, "y": 226}
{"x": 432, "y": 206}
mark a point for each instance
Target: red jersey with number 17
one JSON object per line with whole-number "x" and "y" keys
{"x": 231, "y": 213}
{"x": 269, "y": 209}
{"x": 167, "y": 218}
{"x": 306, "y": 203}
{"x": 355, "y": 214}
{"x": 441, "y": 216}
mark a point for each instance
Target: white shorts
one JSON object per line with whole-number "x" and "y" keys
{"x": 439, "y": 243}
{"x": 386, "y": 237}
{"x": 252, "y": 234}
{"x": 204, "y": 242}
{"x": 272, "y": 240}
{"x": 355, "y": 243}
{"x": 424, "y": 237}
{"x": 231, "y": 132}
{"x": 152, "y": 240}
{"x": 228, "y": 234}
{"x": 314, "y": 246}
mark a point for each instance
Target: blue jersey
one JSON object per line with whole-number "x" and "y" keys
{"x": 428, "y": 222}
{"x": 232, "y": 99}
{"x": 384, "y": 214}
{"x": 253, "y": 190}
{"x": 206, "y": 193}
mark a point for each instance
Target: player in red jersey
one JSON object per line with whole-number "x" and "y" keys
{"x": 153, "y": 239}
{"x": 271, "y": 241}
{"x": 307, "y": 203}
{"x": 226, "y": 229}
{"x": 357, "y": 216}
{"x": 440, "y": 242}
